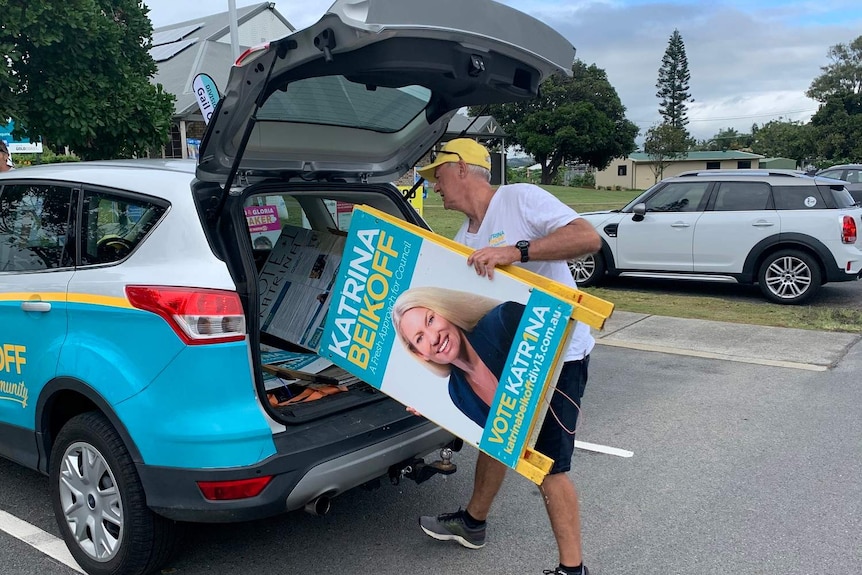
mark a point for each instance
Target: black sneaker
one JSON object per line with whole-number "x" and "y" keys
{"x": 559, "y": 571}
{"x": 451, "y": 527}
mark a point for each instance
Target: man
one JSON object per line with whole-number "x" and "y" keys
{"x": 5, "y": 158}
{"x": 525, "y": 225}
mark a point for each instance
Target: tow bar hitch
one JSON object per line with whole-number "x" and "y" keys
{"x": 419, "y": 471}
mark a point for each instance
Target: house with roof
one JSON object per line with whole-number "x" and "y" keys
{"x": 203, "y": 45}
{"x": 639, "y": 171}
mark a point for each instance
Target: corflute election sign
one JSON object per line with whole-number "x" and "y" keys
{"x": 478, "y": 357}
{"x": 207, "y": 95}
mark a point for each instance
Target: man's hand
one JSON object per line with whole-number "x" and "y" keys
{"x": 484, "y": 260}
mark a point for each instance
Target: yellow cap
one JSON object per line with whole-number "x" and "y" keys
{"x": 465, "y": 149}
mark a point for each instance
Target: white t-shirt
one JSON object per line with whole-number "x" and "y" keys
{"x": 527, "y": 212}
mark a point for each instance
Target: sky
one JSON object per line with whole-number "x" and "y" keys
{"x": 750, "y": 62}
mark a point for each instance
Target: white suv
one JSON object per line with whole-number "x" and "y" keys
{"x": 788, "y": 232}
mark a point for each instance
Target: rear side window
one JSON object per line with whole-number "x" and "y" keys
{"x": 114, "y": 225}
{"x": 841, "y": 197}
{"x": 34, "y": 223}
{"x": 741, "y": 196}
{"x": 800, "y": 198}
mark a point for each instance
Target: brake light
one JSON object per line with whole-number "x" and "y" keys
{"x": 198, "y": 316}
{"x": 848, "y": 230}
{"x": 235, "y": 489}
{"x": 246, "y": 56}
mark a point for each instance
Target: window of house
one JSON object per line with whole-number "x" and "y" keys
{"x": 713, "y": 165}
{"x": 744, "y": 164}
{"x": 621, "y": 170}
{"x": 34, "y": 223}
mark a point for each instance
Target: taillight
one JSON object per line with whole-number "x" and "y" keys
{"x": 236, "y": 489}
{"x": 198, "y": 316}
{"x": 848, "y": 230}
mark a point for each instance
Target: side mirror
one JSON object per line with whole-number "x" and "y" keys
{"x": 638, "y": 210}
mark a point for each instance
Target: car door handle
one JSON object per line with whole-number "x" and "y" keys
{"x": 680, "y": 225}
{"x": 762, "y": 224}
{"x": 36, "y": 306}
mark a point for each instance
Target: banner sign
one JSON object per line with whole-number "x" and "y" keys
{"x": 207, "y": 95}
{"x": 22, "y": 146}
{"x": 478, "y": 357}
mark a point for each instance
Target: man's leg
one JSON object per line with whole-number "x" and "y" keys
{"x": 556, "y": 439}
{"x": 561, "y": 502}
{"x": 489, "y": 477}
{"x": 467, "y": 527}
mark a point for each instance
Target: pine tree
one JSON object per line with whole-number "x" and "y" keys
{"x": 672, "y": 84}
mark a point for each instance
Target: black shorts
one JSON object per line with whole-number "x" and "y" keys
{"x": 555, "y": 440}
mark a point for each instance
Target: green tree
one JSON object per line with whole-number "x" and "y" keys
{"x": 78, "y": 75}
{"x": 784, "y": 139}
{"x": 836, "y": 130}
{"x": 725, "y": 139}
{"x": 579, "y": 120}
{"x": 843, "y": 76}
{"x": 672, "y": 84}
{"x": 663, "y": 144}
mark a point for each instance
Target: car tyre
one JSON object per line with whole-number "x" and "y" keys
{"x": 99, "y": 502}
{"x": 588, "y": 270}
{"x": 789, "y": 277}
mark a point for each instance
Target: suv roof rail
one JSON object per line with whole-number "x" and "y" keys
{"x": 746, "y": 172}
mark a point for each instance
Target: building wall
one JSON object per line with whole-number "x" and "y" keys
{"x": 262, "y": 28}
{"x": 621, "y": 172}
{"x": 640, "y": 175}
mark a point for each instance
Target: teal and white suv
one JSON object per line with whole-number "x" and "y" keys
{"x": 785, "y": 231}
{"x": 135, "y": 305}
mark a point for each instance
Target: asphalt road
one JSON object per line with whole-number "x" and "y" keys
{"x": 836, "y": 295}
{"x": 737, "y": 468}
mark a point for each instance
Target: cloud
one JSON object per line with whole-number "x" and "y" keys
{"x": 747, "y": 65}
{"x": 749, "y": 62}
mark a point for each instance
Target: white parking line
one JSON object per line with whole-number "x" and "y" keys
{"x": 43, "y": 541}
{"x": 603, "y": 449}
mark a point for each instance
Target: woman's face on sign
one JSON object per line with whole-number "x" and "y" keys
{"x": 431, "y": 336}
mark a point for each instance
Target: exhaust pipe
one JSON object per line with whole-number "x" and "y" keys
{"x": 319, "y": 506}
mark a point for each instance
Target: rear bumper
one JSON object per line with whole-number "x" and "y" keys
{"x": 841, "y": 275}
{"x": 298, "y": 477}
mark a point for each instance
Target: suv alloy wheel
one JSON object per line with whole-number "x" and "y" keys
{"x": 789, "y": 277}
{"x": 588, "y": 270}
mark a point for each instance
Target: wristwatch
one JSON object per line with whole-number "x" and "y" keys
{"x": 524, "y": 247}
